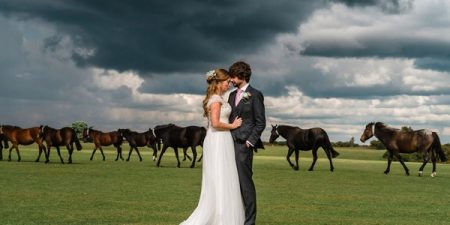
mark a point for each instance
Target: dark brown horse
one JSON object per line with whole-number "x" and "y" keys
{"x": 198, "y": 135}
{"x": 136, "y": 139}
{"x": 18, "y": 136}
{"x": 305, "y": 140}
{"x": 65, "y": 136}
{"x": 3, "y": 144}
{"x": 176, "y": 137}
{"x": 104, "y": 139}
{"x": 397, "y": 141}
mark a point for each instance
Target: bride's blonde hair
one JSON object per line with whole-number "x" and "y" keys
{"x": 213, "y": 79}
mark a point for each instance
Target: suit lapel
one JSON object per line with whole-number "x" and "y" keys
{"x": 232, "y": 98}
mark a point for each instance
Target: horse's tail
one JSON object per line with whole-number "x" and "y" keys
{"x": 437, "y": 147}
{"x": 77, "y": 142}
{"x": 329, "y": 146}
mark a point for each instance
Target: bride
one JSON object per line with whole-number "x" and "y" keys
{"x": 220, "y": 198}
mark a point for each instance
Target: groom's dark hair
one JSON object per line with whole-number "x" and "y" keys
{"x": 240, "y": 70}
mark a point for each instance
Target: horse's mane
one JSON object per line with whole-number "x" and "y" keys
{"x": 383, "y": 126}
{"x": 288, "y": 127}
{"x": 50, "y": 128}
{"x": 11, "y": 127}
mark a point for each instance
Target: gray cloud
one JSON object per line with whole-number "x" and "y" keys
{"x": 157, "y": 36}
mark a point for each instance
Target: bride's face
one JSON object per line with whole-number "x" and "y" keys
{"x": 223, "y": 85}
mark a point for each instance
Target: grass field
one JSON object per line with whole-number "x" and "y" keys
{"x": 110, "y": 192}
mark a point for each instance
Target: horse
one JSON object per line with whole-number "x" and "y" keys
{"x": 305, "y": 140}
{"x": 104, "y": 139}
{"x": 396, "y": 141}
{"x": 201, "y": 134}
{"x": 18, "y": 136}
{"x": 65, "y": 136}
{"x": 176, "y": 137}
{"x": 3, "y": 143}
{"x": 136, "y": 139}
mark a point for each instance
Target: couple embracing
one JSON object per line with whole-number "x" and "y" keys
{"x": 228, "y": 195}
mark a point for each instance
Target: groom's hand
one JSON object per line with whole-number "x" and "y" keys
{"x": 248, "y": 144}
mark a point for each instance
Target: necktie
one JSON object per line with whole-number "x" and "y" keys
{"x": 238, "y": 97}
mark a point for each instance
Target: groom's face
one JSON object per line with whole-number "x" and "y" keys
{"x": 237, "y": 82}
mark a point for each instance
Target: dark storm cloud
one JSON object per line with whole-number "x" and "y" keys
{"x": 438, "y": 64}
{"x": 161, "y": 36}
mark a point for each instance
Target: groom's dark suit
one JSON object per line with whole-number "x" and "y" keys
{"x": 251, "y": 110}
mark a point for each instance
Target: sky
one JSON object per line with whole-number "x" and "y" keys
{"x": 335, "y": 64}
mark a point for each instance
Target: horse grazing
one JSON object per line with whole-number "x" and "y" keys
{"x": 397, "y": 141}
{"x": 179, "y": 137}
{"x": 65, "y": 136}
{"x": 305, "y": 140}
{"x": 3, "y": 141}
{"x": 18, "y": 136}
{"x": 136, "y": 139}
{"x": 104, "y": 139}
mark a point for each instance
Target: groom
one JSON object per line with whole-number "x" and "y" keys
{"x": 248, "y": 104}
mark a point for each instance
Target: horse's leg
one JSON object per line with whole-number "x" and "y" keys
{"x": 10, "y": 149}
{"x": 186, "y": 154}
{"x": 155, "y": 154}
{"x": 161, "y": 154}
{"x": 70, "y": 150}
{"x": 329, "y": 156}
{"x": 194, "y": 156}
{"x": 403, "y": 163}
{"x": 288, "y": 157}
{"x": 101, "y": 151}
{"x": 314, "y": 153}
{"x": 296, "y": 151}
{"x": 119, "y": 147}
{"x": 93, "y": 152}
{"x": 139, "y": 154}
{"x": 176, "y": 155}
{"x": 129, "y": 153}
{"x": 425, "y": 161}
{"x": 390, "y": 156}
{"x": 58, "y": 150}
{"x": 433, "y": 160}
{"x": 201, "y": 157}
{"x": 39, "y": 154}
{"x": 18, "y": 154}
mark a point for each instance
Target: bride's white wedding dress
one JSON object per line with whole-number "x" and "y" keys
{"x": 220, "y": 199}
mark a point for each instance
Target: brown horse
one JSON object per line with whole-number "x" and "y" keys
{"x": 397, "y": 141}
{"x": 3, "y": 144}
{"x": 65, "y": 136}
{"x": 305, "y": 140}
{"x": 18, "y": 136}
{"x": 136, "y": 139}
{"x": 176, "y": 137}
{"x": 104, "y": 139}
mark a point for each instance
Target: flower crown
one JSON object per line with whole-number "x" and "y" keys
{"x": 211, "y": 74}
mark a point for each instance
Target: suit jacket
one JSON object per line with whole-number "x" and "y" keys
{"x": 252, "y": 112}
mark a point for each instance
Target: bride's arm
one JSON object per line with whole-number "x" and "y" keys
{"x": 215, "y": 118}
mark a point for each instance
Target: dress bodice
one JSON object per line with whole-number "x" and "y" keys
{"x": 225, "y": 110}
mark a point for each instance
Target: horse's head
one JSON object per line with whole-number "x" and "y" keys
{"x": 124, "y": 132}
{"x": 273, "y": 134}
{"x": 42, "y": 130}
{"x": 87, "y": 137}
{"x": 368, "y": 132}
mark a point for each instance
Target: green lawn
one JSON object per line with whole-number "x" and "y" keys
{"x": 110, "y": 192}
